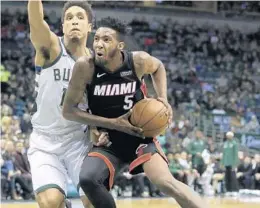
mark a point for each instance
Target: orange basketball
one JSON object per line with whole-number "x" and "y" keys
{"x": 150, "y": 115}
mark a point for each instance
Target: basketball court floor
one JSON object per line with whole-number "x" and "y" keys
{"x": 214, "y": 202}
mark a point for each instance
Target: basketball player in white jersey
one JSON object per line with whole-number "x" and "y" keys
{"x": 57, "y": 146}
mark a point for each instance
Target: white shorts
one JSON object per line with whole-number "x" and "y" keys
{"x": 55, "y": 158}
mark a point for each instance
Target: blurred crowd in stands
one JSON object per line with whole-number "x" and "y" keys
{"x": 239, "y": 6}
{"x": 210, "y": 69}
{"x": 233, "y": 6}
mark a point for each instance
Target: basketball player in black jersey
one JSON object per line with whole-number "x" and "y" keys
{"x": 112, "y": 79}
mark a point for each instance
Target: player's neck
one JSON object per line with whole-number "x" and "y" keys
{"x": 75, "y": 48}
{"x": 115, "y": 63}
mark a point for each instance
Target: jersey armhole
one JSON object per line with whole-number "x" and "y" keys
{"x": 132, "y": 65}
{"x": 57, "y": 59}
{"x": 93, "y": 73}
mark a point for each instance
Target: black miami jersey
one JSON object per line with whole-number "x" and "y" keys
{"x": 112, "y": 94}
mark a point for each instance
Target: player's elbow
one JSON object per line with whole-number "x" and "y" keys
{"x": 67, "y": 113}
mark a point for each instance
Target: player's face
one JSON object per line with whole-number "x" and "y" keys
{"x": 106, "y": 45}
{"x": 76, "y": 24}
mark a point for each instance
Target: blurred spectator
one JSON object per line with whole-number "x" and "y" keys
{"x": 240, "y": 7}
{"x": 222, "y": 83}
{"x": 230, "y": 162}
{"x": 195, "y": 149}
{"x": 26, "y": 125}
{"x": 14, "y": 175}
{"x": 256, "y": 171}
{"x": 138, "y": 182}
{"x": 4, "y": 76}
{"x": 21, "y": 163}
{"x": 244, "y": 174}
{"x": 8, "y": 173}
{"x": 175, "y": 167}
{"x": 9, "y": 150}
{"x": 6, "y": 127}
{"x": 6, "y": 185}
{"x": 2, "y": 143}
{"x": 206, "y": 178}
{"x": 241, "y": 157}
{"x": 252, "y": 125}
{"x": 218, "y": 176}
{"x": 190, "y": 173}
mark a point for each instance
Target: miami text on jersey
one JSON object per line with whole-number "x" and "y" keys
{"x": 115, "y": 89}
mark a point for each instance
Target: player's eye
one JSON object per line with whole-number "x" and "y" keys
{"x": 96, "y": 38}
{"x": 69, "y": 17}
{"x": 81, "y": 17}
{"x": 106, "y": 40}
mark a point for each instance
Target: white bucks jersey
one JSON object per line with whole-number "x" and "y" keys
{"x": 51, "y": 85}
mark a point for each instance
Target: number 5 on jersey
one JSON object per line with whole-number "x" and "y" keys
{"x": 128, "y": 102}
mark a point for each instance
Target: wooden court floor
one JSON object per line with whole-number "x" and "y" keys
{"x": 158, "y": 203}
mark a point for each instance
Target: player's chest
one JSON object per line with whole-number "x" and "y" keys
{"x": 60, "y": 73}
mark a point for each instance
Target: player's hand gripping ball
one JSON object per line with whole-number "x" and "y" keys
{"x": 152, "y": 115}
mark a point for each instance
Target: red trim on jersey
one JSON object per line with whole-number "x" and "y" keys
{"x": 144, "y": 88}
{"x": 160, "y": 150}
{"x": 140, "y": 160}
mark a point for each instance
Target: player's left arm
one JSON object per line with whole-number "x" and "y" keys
{"x": 147, "y": 64}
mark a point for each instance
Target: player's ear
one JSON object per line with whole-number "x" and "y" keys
{"x": 63, "y": 28}
{"x": 121, "y": 45}
{"x": 90, "y": 27}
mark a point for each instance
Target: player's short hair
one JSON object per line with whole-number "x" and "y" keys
{"x": 120, "y": 27}
{"x": 83, "y": 4}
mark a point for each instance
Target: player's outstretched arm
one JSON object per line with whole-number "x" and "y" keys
{"x": 147, "y": 64}
{"x": 82, "y": 75}
{"x": 40, "y": 33}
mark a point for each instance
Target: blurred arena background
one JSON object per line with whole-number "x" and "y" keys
{"x": 211, "y": 51}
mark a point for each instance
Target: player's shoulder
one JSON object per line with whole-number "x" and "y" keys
{"x": 86, "y": 60}
{"x": 144, "y": 59}
{"x": 140, "y": 55}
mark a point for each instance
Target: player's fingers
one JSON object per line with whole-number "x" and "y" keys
{"x": 95, "y": 132}
{"x": 163, "y": 101}
{"x": 102, "y": 136}
{"x": 170, "y": 118}
{"x": 103, "y": 139}
{"x": 137, "y": 135}
{"x": 138, "y": 131}
{"x": 102, "y": 142}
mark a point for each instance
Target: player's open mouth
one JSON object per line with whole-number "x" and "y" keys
{"x": 99, "y": 54}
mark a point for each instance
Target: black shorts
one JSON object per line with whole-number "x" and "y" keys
{"x": 139, "y": 156}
